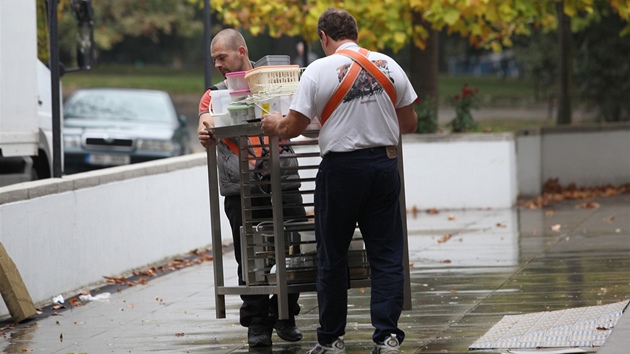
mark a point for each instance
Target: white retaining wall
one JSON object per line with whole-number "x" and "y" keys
{"x": 460, "y": 171}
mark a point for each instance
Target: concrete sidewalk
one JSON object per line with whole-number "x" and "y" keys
{"x": 469, "y": 268}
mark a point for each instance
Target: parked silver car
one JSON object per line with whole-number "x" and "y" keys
{"x": 113, "y": 126}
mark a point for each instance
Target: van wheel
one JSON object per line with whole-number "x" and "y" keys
{"x": 41, "y": 168}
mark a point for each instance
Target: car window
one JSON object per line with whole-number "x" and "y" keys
{"x": 120, "y": 105}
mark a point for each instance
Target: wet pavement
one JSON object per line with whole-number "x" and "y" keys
{"x": 469, "y": 268}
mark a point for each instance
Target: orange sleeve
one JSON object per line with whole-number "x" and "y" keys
{"x": 204, "y": 103}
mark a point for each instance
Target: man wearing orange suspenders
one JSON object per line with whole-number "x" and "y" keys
{"x": 364, "y": 102}
{"x": 259, "y": 312}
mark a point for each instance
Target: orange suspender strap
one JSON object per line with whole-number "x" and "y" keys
{"x": 342, "y": 90}
{"x": 232, "y": 146}
{"x": 256, "y": 147}
{"x": 349, "y": 79}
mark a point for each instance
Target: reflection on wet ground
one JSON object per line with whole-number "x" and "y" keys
{"x": 468, "y": 269}
{"x": 514, "y": 262}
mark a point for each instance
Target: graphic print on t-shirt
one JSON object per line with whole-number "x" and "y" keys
{"x": 365, "y": 85}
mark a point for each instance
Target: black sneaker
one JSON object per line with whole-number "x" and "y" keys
{"x": 259, "y": 337}
{"x": 287, "y": 331}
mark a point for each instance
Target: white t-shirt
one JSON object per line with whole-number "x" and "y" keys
{"x": 366, "y": 117}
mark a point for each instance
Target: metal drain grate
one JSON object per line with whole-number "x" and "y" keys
{"x": 577, "y": 327}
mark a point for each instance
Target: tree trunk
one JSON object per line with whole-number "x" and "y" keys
{"x": 564, "y": 66}
{"x": 424, "y": 65}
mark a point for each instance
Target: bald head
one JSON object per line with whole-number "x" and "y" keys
{"x": 230, "y": 39}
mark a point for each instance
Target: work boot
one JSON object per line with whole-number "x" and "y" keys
{"x": 259, "y": 336}
{"x": 287, "y": 330}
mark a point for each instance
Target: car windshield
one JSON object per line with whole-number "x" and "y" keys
{"x": 124, "y": 105}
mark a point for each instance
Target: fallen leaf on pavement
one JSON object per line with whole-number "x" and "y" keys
{"x": 433, "y": 211}
{"x": 588, "y": 205}
{"x": 74, "y": 302}
{"x": 11, "y": 325}
{"x": 114, "y": 280}
{"x": 148, "y": 272}
{"x": 444, "y": 238}
{"x": 414, "y": 210}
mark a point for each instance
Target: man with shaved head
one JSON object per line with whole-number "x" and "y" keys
{"x": 259, "y": 312}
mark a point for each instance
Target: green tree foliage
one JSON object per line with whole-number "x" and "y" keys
{"x": 388, "y": 24}
{"x": 115, "y": 20}
{"x": 383, "y": 24}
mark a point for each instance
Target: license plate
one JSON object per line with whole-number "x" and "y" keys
{"x": 108, "y": 160}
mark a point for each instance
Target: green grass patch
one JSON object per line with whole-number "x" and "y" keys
{"x": 174, "y": 81}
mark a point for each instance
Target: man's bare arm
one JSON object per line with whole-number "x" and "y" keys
{"x": 407, "y": 119}
{"x": 287, "y": 127}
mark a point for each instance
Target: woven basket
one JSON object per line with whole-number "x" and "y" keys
{"x": 275, "y": 78}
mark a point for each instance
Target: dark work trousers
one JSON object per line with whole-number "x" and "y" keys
{"x": 361, "y": 187}
{"x": 260, "y": 310}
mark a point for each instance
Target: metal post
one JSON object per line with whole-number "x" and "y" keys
{"x": 278, "y": 227}
{"x": 54, "y": 86}
{"x": 207, "y": 24}
{"x": 215, "y": 218}
{"x": 403, "y": 214}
